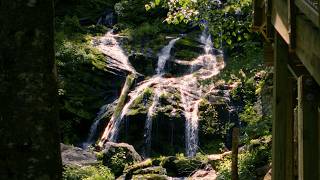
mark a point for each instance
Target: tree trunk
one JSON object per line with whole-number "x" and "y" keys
{"x": 235, "y": 144}
{"x": 29, "y": 143}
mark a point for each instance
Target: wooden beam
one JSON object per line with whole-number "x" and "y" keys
{"x": 309, "y": 11}
{"x": 308, "y": 46}
{"x": 280, "y": 18}
{"x": 308, "y": 128}
{"x": 292, "y": 24}
{"x": 297, "y": 70}
{"x": 282, "y": 128}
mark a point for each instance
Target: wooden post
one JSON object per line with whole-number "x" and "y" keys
{"x": 308, "y": 128}
{"x": 235, "y": 144}
{"x": 292, "y": 24}
{"x": 282, "y": 129}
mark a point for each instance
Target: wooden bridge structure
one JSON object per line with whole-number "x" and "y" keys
{"x": 291, "y": 29}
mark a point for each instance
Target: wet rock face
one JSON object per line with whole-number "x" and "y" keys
{"x": 168, "y": 131}
{"x": 117, "y": 155}
{"x": 74, "y": 156}
{"x": 168, "y": 123}
{"x": 143, "y": 64}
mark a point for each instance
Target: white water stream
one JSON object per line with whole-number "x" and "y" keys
{"x": 117, "y": 59}
{"x": 203, "y": 67}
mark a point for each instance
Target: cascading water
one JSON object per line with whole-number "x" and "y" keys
{"x": 203, "y": 67}
{"x": 164, "y": 55}
{"x": 93, "y": 129}
{"x": 117, "y": 59}
{"x": 148, "y": 123}
{"x": 112, "y": 130}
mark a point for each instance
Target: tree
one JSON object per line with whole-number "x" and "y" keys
{"x": 229, "y": 21}
{"x": 29, "y": 145}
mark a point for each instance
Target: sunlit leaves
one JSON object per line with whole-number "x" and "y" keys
{"x": 229, "y": 22}
{"x": 157, "y": 2}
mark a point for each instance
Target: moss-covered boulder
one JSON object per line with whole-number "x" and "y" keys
{"x": 181, "y": 166}
{"x": 151, "y": 170}
{"x": 119, "y": 155}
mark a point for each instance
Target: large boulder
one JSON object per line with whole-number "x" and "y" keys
{"x": 74, "y": 156}
{"x": 208, "y": 173}
{"x": 181, "y": 166}
{"x": 119, "y": 155}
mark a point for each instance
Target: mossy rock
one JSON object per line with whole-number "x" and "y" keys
{"x": 181, "y": 166}
{"x": 143, "y": 64}
{"x": 150, "y": 177}
{"x": 185, "y": 54}
{"x": 151, "y": 170}
{"x": 213, "y": 125}
{"x": 119, "y": 155}
{"x": 141, "y": 165}
{"x": 141, "y": 104}
{"x": 189, "y": 45}
{"x": 168, "y": 135}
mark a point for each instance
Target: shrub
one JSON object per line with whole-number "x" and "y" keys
{"x": 87, "y": 173}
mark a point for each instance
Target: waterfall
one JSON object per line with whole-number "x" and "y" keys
{"x": 148, "y": 123}
{"x": 191, "y": 92}
{"x": 164, "y": 55}
{"x": 103, "y": 112}
{"x": 112, "y": 130}
{"x": 203, "y": 67}
{"x": 117, "y": 59}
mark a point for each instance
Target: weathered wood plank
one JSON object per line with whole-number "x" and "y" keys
{"x": 282, "y": 156}
{"x": 310, "y": 12}
{"x": 308, "y": 128}
{"x": 292, "y": 24}
{"x": 308, "y": 46}
{"x": 280, "y": 19}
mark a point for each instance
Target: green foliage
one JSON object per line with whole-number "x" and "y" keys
{"x": 256, "y": 124}
{"x": 241, "y": 66}
{"x": 144, "y": 31}
{"x": 68, "y": 24}
{"x": 212, "y": 146}
{"x": 224, "y": 168}
{"x": 81, "y": 79}
{"x": 209, "y": 115}
{"x": 87, "y": 173}
{"x": 133, "y": 12}
{"x": 117, "y": 160}
{"x": 91, "y": 9}
{"x": 250, "y": 161}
